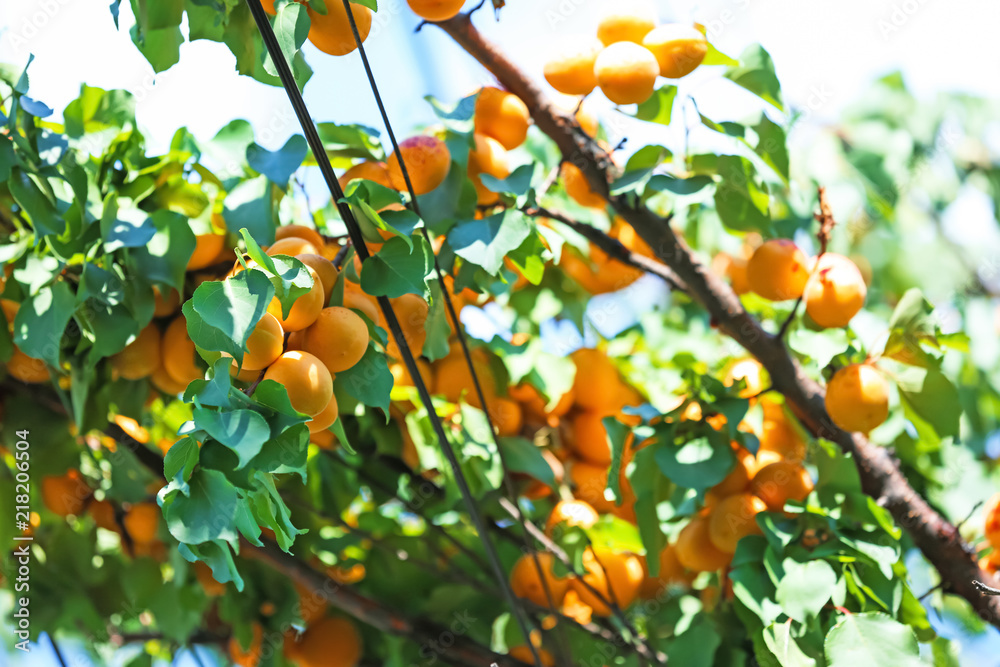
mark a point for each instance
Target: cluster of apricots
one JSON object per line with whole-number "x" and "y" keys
{"x": 599, "y": 273}
{"x": 628, "y": 55}
{"x": 833, "y": 290}
{"x": 328, "y": 641}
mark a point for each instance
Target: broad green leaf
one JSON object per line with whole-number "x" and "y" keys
{"x": 397, "y": 269}
{"x": 181, "y": 459}
{"x": 278, "y": 165}
{"x": 659, "y": 107}
{"x": 41, "y": 321}
{"x": 250, "y": 206}
{"x": 291, "y": 27}
{"x": 742, "y": 203}
{"x": 701, "y": 462}
{"x": 206, "y": 512}
{"x": 805, "y": 588}
{"x": 232, "y": 307}
{"x": 871, "y": 639}
{"x": 486, "y": 242}
{"x": 164, "y": 259}
{"x": 756, "y": 73}
{"x": 243, "y": 431}
{"x": 369, "y": 381}
{"x": 932, "y": 396}
{"x": 779, "y": 640}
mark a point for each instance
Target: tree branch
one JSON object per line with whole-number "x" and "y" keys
{"x": 880, "y": 477}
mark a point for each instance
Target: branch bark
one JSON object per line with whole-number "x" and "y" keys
{"x": 881, "y": 478}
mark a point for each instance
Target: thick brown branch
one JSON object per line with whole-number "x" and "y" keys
{"x": 881, "y": 478}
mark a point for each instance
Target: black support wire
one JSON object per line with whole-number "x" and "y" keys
{"x": 456, "y": 322}
{"x": 354, "y": 230}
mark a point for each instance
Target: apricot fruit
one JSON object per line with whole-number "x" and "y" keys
{"x": 857, "y": 398}
{"x": 324, "y": 269}
{"x": 671, "y": 572}
{"x": 678, "y": 49}
{"x": 207, "y": 248}
{"x": 781, "y": 481}
{"x": 411, "y": 312}
{"x": 427, "y": 161}
{"x": 178, "y": 353}
{"x": 249, "y": 656}
{"x": 616, "y": 575}
{"x": 695, "y": 549}
{"x": 325, "y": 418}
{"x": 27, "y": 369}
{"x": 307, "y": 234}
{"x": 589, "y": 439}
{"x": 732, "y": 519}
{"x": 488, "y": 157}
{"x": 751, "y": 372}
{"x": 597, "y": 385}
{"x": 65, "y": 494}
{"x": 142, "y": 522}
{"x": 305, "y": 378}
{"x": 304, "y": 310}
{"x": 506, "y": 416}
{"x": 436, "y": 10}
{"x": 626, "y": 73}
{"x": 331, "y": 32}
{"x": 522, "y": 653}
{"x": 737, "y": 480}
{"x": 629, "y": 22}
{"x": 569, "y": 513}
{"x": 589, "y": 482}
{"x": 369, "y": 170}
{"x": 338, "y": 338}
{"x": 991, "y": 523}
{"x": 503, "y": 116}
{"x": 264, "y": 346}
{"x": 453, "y": 380}
{"x": 571, "y": 71}
{"x": 165, "y": 305}
{"x": 355, "y": 299}
{"x": 292, "y": 246}
{"x": 778, "y": 270}
{"x": 835, "y": 291}
{"x": 163, "y": 381}
{"x": 779, "y": 441}
{"x": 526, "y": 582}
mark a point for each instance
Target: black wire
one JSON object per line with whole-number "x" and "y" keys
{"x": 55, "y": 649}
{"x": 354, "y": 230}
{"x": 452, "y": 313}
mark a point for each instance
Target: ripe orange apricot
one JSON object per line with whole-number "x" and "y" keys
{"x": 616, "y": 575}
{"x": 571, "y": 71}
{"x": 369, "y": 170}
{"x": 65, "y": 494}
{"x": 330, "y": 642}
{"x": 589, "y": 482}
{"x": 835, "y": 292}
{"x": 165, "y": 305}
{"x": 857, "y": 398}
{"x": 626, "y": 73}
{"x": 163, "y": 381}
{"x": 991, "y": 525}
{"x": 503, "y": 116}
{"x": 140, "y": 357}
{"x": 249, "y": 657}
{"x": 526, "y": 583}
{"x": 751, "y": 372}
{"x": 292, "y": 246}
{"x": 522, "y": 653}
{"x": 338, "y": 338}
{"x": 679, "y": 49}
{"x": 355, "y": 299}
{"x": 535, "y": 406}
{"x": 331, "y": 32}
{"x": 453, "y": 380}
{"x": 506, "y": 416}
{"x": 597, "y": 386}
{"x": 739, "y": 477}
{"x": 488, "y": 157}
{"x": 781, "y": 481}
{"x": 695, "y": 549}
{"x": 778, "y": 270}
{"x": 436, "y": 10}
{"x": 325, "y": 418}
{"x": 27, "y": 369}
{"x": 305, "y": 378}
{"x": 427, "y": 161}
{"x": 732, "y": 519}
{"x": 628, "y": 22}
{"x": 568, "y": 513}
{"x": 779, "y": 441}
{"x": 207, "y": 248}
{"x": 411, "y": 311}
{"x": 578, "y": 188}
{"x": 142, "y": 522}
{"x": 178, "y": 353}
{"x": 589, "y": 439}
{"x": 103, "y": 513}
{"x": 265, "y": 344}
{"x": 325, "y": 269}
{"x": 304, "y": 311}
{"x": 671, "y": 572}
{"x": 307, "y": 234}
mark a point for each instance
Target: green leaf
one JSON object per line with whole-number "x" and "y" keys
{"x": 779, "y": 640}
{"x": 232, "y": 307}
{"x": 369, "y": 381}
{"x": 696, "y": 646}
{"x": 182, "y": 457}
{"x": 659, "y": 107}
{"x": 205, "y": 512}
{"x": 42, "y": 213}
{"x": 932, "y": 396}
{"x": 701, "y": 462}
{"x": 291, "y": 27}
{"x": 243, "y": 431}
{"x": 128, "y": 228}
{"x": 771, "y": 145}
{"x": 397, "y": 269}
{"x": 805, "y": 588}
{"x": 279, "y": 165}
{"x": 678, "y": 186}
{"x": 289, "y": 276}
{"x": 859, "y": 640}
{"x": 249, "y": 206}
{"x": 486, "y": 242}
{"x": 164, "y": 259}
{"x": 41, "y": 321}
{"x": 716, "y": 57}
{"x": 345, "y": 143}
{"x": 756, "y": 73}
{"x": 523, "y": 456}
{"x": 517, "y": 183}
{"x": 741, "y": 201}
{"x": 161, "y": 48}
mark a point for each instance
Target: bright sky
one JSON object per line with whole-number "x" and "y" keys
{"x": 825, "y": 53}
